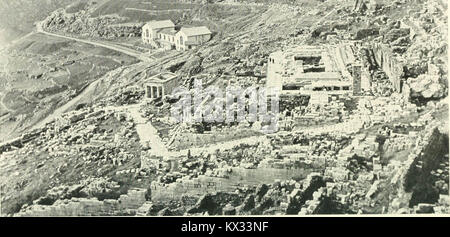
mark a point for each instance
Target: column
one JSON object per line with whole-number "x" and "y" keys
{"x": 162, "y": 91}
{"x": 151, "y": 92}
{"x": 147, "y": 91}
{"x": 157, "y": 92}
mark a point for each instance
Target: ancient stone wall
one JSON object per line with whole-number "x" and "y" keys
{"x": 128, "y": 203}
{"x": 390, "y": 64}
{"x": 239, "y": 177}
{"x": 409, "y": 175}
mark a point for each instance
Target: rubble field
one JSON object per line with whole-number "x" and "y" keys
{"x": 362, "y": 125}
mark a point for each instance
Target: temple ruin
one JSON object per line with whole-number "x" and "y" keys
{"x": 160, "y": 85}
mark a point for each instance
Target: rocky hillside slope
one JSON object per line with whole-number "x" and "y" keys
{"x": 17, "y": 17}
{"x": 43, "y": 73}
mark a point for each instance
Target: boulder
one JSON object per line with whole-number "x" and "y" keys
{"x": 427, "y": 86}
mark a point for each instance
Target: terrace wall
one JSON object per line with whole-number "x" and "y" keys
{"x": 128, "y": 203}
{"x": 237, "y": 178}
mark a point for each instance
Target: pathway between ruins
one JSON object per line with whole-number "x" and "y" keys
{"x": 146, "y": 132}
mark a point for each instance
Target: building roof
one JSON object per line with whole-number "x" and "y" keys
{"x": 168, "y": 31}
{"x": 162, "y": 77}
{"x": 160, "y": 24}
{"x": 193, "y": 31}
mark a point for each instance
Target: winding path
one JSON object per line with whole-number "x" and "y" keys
{"x": 133, "y": 53}
{"x": 92, "y": 85}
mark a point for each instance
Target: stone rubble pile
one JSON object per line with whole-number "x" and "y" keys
{"x": 82, "y": 24}
{"x": 126, "y": 204}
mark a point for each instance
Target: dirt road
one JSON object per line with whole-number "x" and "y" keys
{"x": 131, "y": 52}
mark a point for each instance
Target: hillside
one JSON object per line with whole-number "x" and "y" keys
{"x": 79, "y": 125}
{"x": 17, "y": 18}
{"x": 42, "y": 73}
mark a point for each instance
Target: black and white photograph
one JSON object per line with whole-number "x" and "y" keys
{"x": 224, "y": 108}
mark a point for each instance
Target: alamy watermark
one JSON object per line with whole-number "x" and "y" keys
{"x": 236, "y": 104}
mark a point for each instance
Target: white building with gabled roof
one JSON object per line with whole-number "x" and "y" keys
{"x": 162, "y": 34}
{"x": 166, "y": 38}
{"x": 151, "y": 30}
{"x": 191, "y": 37}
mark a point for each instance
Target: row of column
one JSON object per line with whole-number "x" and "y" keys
{"x": 155, "y": 91}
